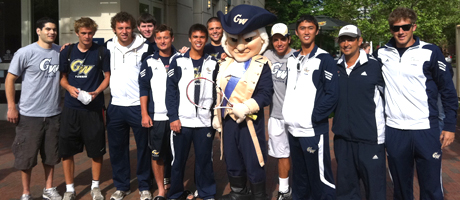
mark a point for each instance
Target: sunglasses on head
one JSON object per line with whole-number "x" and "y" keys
{"x": 405, "y": 27}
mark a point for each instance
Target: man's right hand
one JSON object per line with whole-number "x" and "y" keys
{"x": 13, "y": 115}
{"x": 175, "y": 126}
{"x": 147, "y": 121}
{"x": 73, "y": 91}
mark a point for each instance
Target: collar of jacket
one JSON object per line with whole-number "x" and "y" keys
{"x": 156, "y": 55}
{"x": 392, "y": 42}
{"x": 312, "y": 53}
{"x": 138, "y": 41}
{"x": 362, "y": 59}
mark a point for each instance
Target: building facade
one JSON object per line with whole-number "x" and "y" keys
{"x": 17, "y": 22}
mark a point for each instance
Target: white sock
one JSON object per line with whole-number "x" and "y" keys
{"x": 284, "y": 185}
{"x": 25, "y": 195}
{"x": 94, "y": 184}
{"x": 70, "y": 188}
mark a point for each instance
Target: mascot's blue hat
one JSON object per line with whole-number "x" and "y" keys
{"x": 244, "y": 18}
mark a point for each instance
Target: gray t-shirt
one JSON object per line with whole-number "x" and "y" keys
{"x": 279, "y": 75}
{"x": 39, "y": 69}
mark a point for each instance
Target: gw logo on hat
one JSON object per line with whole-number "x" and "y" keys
{"x": 239, "y": 20}
{"x": 254, "y": 18}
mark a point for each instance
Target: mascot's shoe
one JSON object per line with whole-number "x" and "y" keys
{"x": 239, "y": 189}
{"x": 258, "y": 191}
{"x": 186, "y": 195}
{"x": 236, "y": 196}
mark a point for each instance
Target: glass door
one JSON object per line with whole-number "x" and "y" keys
{"x": 154, "y": 7}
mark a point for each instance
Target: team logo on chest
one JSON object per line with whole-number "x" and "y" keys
{"x": 278, "y": 72}
{"x": 46, "y": 66}
{"x": 81, "y": 70}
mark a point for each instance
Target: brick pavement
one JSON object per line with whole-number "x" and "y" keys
{"x": 11, "y": 188}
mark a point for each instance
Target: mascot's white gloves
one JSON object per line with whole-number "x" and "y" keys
{"x": 216, "y": 125}
{"x": 240, "y": 110}
{"x": 84, "y": 97}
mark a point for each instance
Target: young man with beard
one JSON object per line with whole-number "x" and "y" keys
{"x": 189, "y": 123}
{"x": 278, "y": 143}
{"x": 152, "y": 85}
{"x": 311, "y": 96}
{"x": 415, "y": 72}
{"x": 82, "y": 67}
{"x": 215, "y": 33}
{"x": 37, "y": 114}
{"x": 124, "y": 111}
{"x": 359, "y": 124}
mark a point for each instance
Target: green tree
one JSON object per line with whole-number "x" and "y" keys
{"x": 435, "y": 24}
{"x": 288, "y": 11}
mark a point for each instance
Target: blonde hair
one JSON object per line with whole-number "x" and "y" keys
{"x": 85, "y": 22}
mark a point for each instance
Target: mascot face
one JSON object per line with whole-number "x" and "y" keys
{"x": 244, "y": 31}
{"x": 244, "y": 47}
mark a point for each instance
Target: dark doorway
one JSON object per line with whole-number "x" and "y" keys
{"x": 44, "y": 8}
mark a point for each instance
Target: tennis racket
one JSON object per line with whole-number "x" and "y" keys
{"x": 203, "y": 82}
{"x": 201, "y": 103}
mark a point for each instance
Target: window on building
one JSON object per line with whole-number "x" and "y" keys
{"x": 10, "y": 29}
{"x": 44, "y": 8}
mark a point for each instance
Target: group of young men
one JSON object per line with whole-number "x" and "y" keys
{"x": 387, "y": 102}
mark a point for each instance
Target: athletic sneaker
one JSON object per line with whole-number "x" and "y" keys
{"x": 145, "y": 195}
{"x": 119, "y": 195}
{"x": 96, "y": 194}
{"x": 51, "y": 194}
{"x": 69, "y": 196}
{"x": 26, "y": 197}
{"x": 285, "y": 196}
{"x": 159, "y": 198}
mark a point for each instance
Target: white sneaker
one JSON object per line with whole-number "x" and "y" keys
{"x": 145, "y": 195}
{"x": 69, "y": 196}
{"x": 26, "y": 197}
{"x": 119, "y": 195}
{"x": 51, "y": 194}
{"x": 96, "y": 194}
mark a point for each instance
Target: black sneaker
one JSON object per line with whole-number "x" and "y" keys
{"x": 285, "y": 196}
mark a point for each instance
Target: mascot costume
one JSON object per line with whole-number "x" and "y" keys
{"x": 245, "y": 78}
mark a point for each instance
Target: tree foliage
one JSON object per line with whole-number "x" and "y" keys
{"x": 288, "y": 11}
{"x": 435, "y": 24}
{"x": 436, "y": 19}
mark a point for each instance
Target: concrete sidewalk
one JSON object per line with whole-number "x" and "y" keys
{"x": 11, "y": 187}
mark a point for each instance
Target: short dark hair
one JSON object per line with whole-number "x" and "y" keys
{"x": 42, "y": 21}
{"x": 197, "y": 27}
{"x": 308, "y": 18}
{"x": 123, "y": 17}
{"x": 365, "y": 45}
{"x": 212, "y": 19}
{"x": 163, "y": 28}
{"x": 146, "y": 18}
{"x": 402, "y": 13}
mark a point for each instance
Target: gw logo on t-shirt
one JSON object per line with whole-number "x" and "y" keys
{"x": 81, "y": 70}
{"x": 46, "y": 66}
{"x": 277, "y": 72}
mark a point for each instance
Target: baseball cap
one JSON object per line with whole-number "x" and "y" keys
{"x": 350, "y": 30}
{"x": 244, "y": 18}
{"x": 281, "y": 29}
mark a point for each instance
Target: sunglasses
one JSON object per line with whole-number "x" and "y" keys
{"x": 405, "y": 27}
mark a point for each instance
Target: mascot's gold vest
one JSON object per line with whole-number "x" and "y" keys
{"x": 242, "y": 92}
